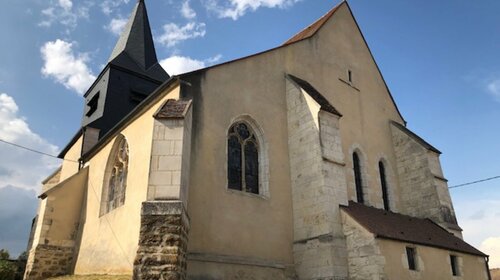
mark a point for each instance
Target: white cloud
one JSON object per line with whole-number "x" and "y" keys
{"x": 174, "y": 34}
{"x": 21, "y": 173}
{"x": 66, "y": 67}
{"x": 491, "y": 246}
{"x": 179, "y": 64}
{"x": 213, "y": 60}
{"x": 108, "y": 6}
{"x": 66, "y": 4}
{"x": 493, "y": 88}
{"x": 64, "y": 13}
{"x": 479, "y": 221}
{"x": 116, "y": 25}
{"x": 187, "y": 11}
{"x": 237, "y": 8}
{"x": 175, "y": 65}
{"x": 18, "y": 167}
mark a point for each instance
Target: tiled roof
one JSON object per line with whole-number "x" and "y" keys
{"x": 389, "y": 225}
{"x": 313, "y": 28}
{"x": 173, "y": 109}
{"x": 318, "y": 97}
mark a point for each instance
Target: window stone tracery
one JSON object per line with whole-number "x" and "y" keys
{"x": 116, "y": 184}
{"x": 243, "y": 159}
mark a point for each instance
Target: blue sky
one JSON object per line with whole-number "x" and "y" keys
{"x": 439, "y": 58}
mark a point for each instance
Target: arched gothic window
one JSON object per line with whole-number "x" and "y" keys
{"x": 357, "y": 178}
{"x": 116, "y": 177}
{"x": 242, "y": 159}
{"x": 383, "y": 182}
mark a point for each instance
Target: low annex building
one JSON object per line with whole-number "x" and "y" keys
{"x": 294, "y": 163}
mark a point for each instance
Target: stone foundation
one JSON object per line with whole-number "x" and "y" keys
{"x": 47, "y": 261}
{"x": 162, "y": 241}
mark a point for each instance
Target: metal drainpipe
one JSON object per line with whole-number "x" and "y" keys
{"x": 487, "y": 260}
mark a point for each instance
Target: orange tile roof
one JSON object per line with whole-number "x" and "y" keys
{"x": 313, "y": 28}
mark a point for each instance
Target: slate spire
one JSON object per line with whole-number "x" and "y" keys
{"x": 136, "y": 42}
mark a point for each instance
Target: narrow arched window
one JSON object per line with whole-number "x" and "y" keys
{"x": 243, "y": 159}
{"x": 116, "y": 174}
{"x": 357, "y": 178}
{"x": 383, "y": 182}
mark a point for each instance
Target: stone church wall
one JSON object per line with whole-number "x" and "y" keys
{"x": 366, "y": 262}
{"x": 424, "y": 192}
{"x": 162, "y": 241}
{"x": 318, "y": 186}
{"x": 46, "y": 261}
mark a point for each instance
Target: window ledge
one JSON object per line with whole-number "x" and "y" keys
{"x": 349, "y": 84}
{"x": 261, "y": 196}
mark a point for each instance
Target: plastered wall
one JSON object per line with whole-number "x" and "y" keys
{"x": 109, "y": 242}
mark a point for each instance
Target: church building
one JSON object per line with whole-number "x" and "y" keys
{"x": 293, "y": 163}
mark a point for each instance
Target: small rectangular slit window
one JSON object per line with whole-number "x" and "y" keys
{"x": 92, "y": 104}
{"x": 349, "y": 76}
{"x": 411, "y": 255}
{"x": 454, "y": 265}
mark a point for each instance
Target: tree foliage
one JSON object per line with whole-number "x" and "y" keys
{"x": 8, "y": 270}
{"x": 4, "y": 254}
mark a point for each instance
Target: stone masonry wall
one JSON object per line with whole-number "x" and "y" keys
{"x": 162, "y": 241}
{"x": 47, "y": 261}
{"x": 366, "y": 262}
{"x": 51, "y": 181}
{"x": 424, "y": 192}
{"x": 166, "y": 159}
{"x": 318, "y": 187}
{"x": 48, "y": 256}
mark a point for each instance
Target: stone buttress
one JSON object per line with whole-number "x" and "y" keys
{"x": 164, "y": 219}
{"x": 55, "y": 236}
{"x": 424, "y": 190}
{"x": 318, "y": 183}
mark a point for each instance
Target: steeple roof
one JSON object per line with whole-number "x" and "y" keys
{"x": 135, "y": 49}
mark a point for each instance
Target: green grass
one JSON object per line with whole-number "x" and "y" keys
{"x": 93, "y": 277}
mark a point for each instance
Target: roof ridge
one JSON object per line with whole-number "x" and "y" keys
{"x": 315, "y": 26}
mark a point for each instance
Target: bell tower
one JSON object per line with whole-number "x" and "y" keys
{"x": 131, "y": 74}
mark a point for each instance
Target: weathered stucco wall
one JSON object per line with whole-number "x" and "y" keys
{"x": 256, "y": 87}
{"x": 70, "y": 164}
{"x": 432, "y": 263}
{"x": 366, "y": 106}
{"x": 234, "y": 223}
{"x": 52, "y": 180}
{"x": 109, "y": 242}
{"x": 52, "y": 252}
{"x": 377, "y": 258}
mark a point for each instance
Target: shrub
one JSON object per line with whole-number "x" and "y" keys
{"x": 8, "y": 270}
